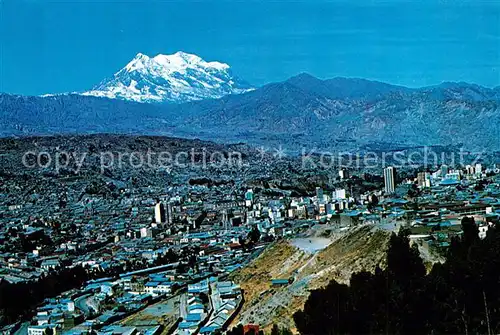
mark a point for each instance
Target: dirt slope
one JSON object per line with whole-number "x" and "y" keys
{"x": 361, "y": 248}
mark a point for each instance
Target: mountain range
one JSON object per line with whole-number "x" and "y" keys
{"x": 334, "y": 114}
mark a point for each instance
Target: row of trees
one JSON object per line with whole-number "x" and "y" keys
{"x": 239, "y": 330}
{"x": 17, "y": 299}
{"x": 460, "y": 296}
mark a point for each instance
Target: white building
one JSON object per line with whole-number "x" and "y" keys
{"x": 158, "y": 287}
{"x": 49, "y": 264}
{"x": 470, "y": 170}
{"x": 71, "y": 306}
{"x": 40, "y": 330}
{"x": 339, "y": 194}
{"x": 146, "y": 232}
{"x": 159, "y": 213}
{"x": 390, "y": 179}
{"x": 343, "y": 174}
{"x": 479, "y": 169}
{"x": 483, "y": 230}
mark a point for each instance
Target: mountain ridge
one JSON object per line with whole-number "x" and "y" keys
{"x": 339, "y": 114}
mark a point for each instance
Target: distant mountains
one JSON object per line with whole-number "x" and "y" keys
{"x": 346, "y": 114}
{"x": 177, "y": 78}
{"x": 335, "y": 114}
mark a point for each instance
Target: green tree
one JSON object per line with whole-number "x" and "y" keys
{"x": 254, "y": 235}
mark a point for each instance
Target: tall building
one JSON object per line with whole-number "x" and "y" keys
{"x": 479, "y": 169}
{"x": 169, "y": 213}
{"x": 339, "y": 194}
{"x": 343, "y": 174}
{"x": 421, "y": 179}
{"x": 225, "y": 220}
{"x": 159, "y": 213}
{"x": 424, "y": 179}
{"x": 444, "y": 170}
{"x": 319, "y": 194}
{"x": 469, "y": 169}
{"x": 390, "y": 179}
{"x": 249, "y": 198}
{"x": 249, "y": 195}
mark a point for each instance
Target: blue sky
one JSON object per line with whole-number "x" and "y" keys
{"x": 64, "y": 45}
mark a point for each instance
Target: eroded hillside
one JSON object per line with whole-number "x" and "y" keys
{"x": 361, "y": 248}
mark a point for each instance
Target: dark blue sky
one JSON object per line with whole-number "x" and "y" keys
{"x": 64, "y": 45}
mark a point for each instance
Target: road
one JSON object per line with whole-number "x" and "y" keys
{"x": 82, "y": 304}
{"x": 183, "y": 306}
{"x": 23, "y": 329}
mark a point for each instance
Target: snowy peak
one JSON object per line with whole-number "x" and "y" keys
{"x": 179, "y": 77}
{"x": 179, "y": 62}
{"x": 138, "y": 62}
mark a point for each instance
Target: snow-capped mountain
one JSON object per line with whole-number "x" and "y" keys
{"x": 180, "y": 77}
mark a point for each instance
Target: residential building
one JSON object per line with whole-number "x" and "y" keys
{"x": 40, "y": 329}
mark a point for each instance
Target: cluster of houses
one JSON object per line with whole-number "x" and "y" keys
{"x": 134, "y": 230}
{"x": 226, "y": 298}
